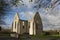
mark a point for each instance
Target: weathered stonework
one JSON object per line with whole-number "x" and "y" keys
{"x": 33, "y": 26}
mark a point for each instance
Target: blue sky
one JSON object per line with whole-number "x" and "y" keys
{"x": 50, "y": 19}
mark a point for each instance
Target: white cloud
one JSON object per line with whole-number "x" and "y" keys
{"x": 51, "y": 19}
{"x": 28, "y": 3}
{"x": 26, "y": 15}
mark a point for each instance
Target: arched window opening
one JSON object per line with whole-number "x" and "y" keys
{"x": 36, "y": 26}
{"x": 15, "y": 25}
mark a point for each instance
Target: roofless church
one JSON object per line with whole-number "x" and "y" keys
{"x": 32, "y": 27}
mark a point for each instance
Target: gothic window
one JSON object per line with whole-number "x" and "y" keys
{"x": 36, "y": 26}
{"x": 29, "y": 24}
{"x": 12, "y": 25}
{"x": 15, "y": 25}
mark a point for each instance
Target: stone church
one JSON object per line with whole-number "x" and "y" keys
{"x": 32, "y": 27}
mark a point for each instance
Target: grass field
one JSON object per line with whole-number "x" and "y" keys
{"x": 45, "y": 36}
{"x": 4, "y": 34}
{"x": 36, "y": 37}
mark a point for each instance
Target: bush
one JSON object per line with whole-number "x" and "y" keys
{"x": 47, "y": 33}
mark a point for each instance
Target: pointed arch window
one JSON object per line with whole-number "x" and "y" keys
{"x": 12, "y": 26}
{"x": 15, "y": 25}
{"x": 36, "y": 26}
{"x": 29, "y": 24}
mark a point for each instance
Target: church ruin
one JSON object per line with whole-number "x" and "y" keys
{"x": 32, "y": 27}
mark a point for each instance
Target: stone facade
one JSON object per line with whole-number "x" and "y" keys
{"x": 33, "y": 26}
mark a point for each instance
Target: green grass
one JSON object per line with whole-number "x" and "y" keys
{"x": 45, "y": 36}
{"x": 7, "y": 35}
{"x": 2, "y": 34}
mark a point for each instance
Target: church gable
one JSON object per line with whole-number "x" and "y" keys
{"x": 35, "y": 25}
{"x": 37, "y": 18}
{"x": 16, "y": 16}
{"x": 38, "y": 22}
{"x": 15, "y": 23}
